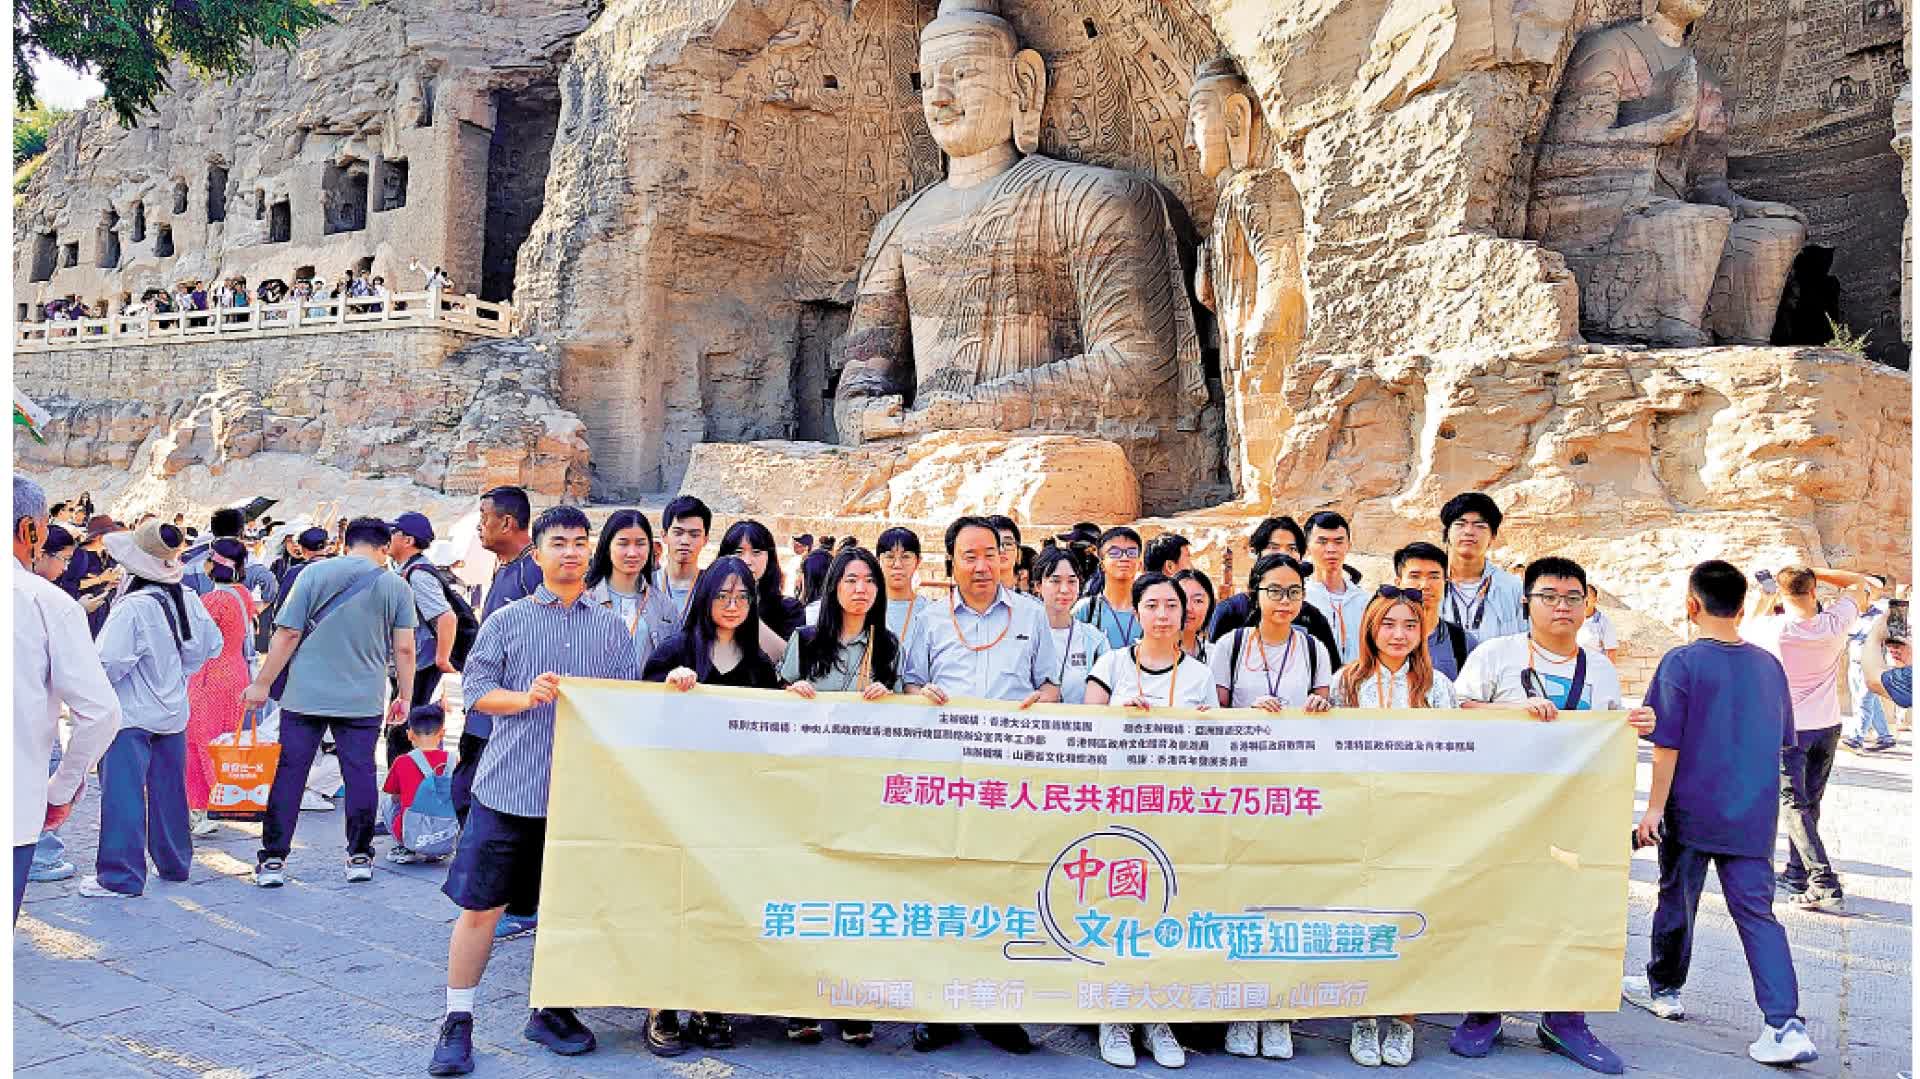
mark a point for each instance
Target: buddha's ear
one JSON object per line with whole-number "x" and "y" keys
{"x": 1030, "y": 99}
{"x": 1239, "y": 112}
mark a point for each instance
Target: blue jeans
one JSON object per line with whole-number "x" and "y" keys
{"x": 353, "y": 739}
{"x": 1870, "y": 716}
{"x": 1747, "y": 884}
{"x": 51, "y": 850}
{"x": 143, "y": 810}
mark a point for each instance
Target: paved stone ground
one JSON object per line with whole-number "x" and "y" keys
{"x": 216, "y": 978}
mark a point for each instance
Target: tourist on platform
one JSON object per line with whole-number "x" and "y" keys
{"x": 1810, "y": 641}
{"x": 980, "y": 642}
{"x": 1393, "y": 670}
{"x": 685, "y": 523}
{"x": 346, "y": 622}
{"x": 158, "y": 635}
{"x": 213, "y": 693}
{"x": 1544, "y": 671}
{"x": 1482, "y": 598}
{"x": 54, "y": 666}
{"x": 1333, "y": 590}
{"x": 1723, "y": 713}
{"x": 436, "y": 622}
{"x": 1597, "y": 631}
{"x": 621, "y": 579}
{"x": 718, "y": 645}
{"x": 1423, "y": 566}
{"x": 1111, "y": 612}
{"x": 1167, "y": 554}
{"x": 1077, "y": 644}
{"x": 778, "y": 613}
{"x": 899, "y": 554}
{"x": 1199, "y": 591}
{"x": 513, "y": 675}
{"x": 1271, "y": 665}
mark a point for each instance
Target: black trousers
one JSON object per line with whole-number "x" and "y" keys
{"x": 471, "y": 746}
{"x": 426, "y": 683}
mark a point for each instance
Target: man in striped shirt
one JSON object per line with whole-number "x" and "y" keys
{"x": 513, "y": 675}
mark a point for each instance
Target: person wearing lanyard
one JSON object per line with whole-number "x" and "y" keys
{"x": 1482, "y": 598}
{"x": 1151, "y": 673}
{"x": 621, "y": 580}
{"x": 1329, "y": 590}
{"x": 979, "y": 642}
{"x": 899, "y": 551}
{"x": 685, "y": 522}
{"x": 1545, "y": 671}
{"x": 1111, "y": 611}
{"x": 1272, "y": 665}
{"x": 1080, "y": 646}
{"x": 1393, "y": 670}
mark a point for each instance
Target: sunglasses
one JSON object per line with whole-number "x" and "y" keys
{"x": 1412, "y": 595}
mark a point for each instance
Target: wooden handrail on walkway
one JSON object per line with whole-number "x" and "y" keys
{"x": 465, "y": 314}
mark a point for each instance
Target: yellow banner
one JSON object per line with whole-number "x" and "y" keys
{"x": 755, "y": 853}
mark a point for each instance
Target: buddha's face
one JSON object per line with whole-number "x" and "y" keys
{"x": 1207, "y": 129}
{"x": 966, "y": 76}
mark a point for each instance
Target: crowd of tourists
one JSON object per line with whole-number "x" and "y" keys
{"x": 363, "y": 290}
{"x": 153, "y": 642}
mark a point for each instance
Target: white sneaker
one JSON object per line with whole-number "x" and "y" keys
{"x": 1116, "y": 1044}
{"x": 205, "y": 826}
{"x": 1635, "y": 990}
{"x": 1164, "y": 1046}
{"x": 314, "y": 803}
{"x": 359, "y": 869}
{"x": 271, "y": 873}
{"x": 1786, "y": 1044}
{"x": 93, "y": 889}
{"x": 1365, "y": 1046}
{"x": 1396, "y": 1049}
{"x": 1276, "y": 1039}
{"x": 1243, "y": 1039}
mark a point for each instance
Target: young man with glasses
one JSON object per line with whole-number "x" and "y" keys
{"x": 1545, "y": 671}
{"x": 1481, "y": 598}
{"x": 1111, "y": 611}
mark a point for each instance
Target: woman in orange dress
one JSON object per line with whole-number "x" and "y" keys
{"x": 213, "y": 694}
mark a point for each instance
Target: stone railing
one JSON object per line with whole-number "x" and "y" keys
{"x": 466, "y": 314}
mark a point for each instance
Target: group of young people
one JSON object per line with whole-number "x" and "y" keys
{"x": 1112, "y": 622}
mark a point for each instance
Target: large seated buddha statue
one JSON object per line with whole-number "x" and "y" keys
{"x": 1023, "y": 293}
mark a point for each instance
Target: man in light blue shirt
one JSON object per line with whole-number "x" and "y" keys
{"x": 154, "y": 639}
{"x": 978, "y": 642}
{"x": 1481, "y": 598}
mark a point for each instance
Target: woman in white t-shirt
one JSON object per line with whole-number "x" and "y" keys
{"x": 1078, "y": 644}
{"x": 1153, "y": 672}
{"x": 1393, "y": 670}
{"x": 1273, "y": 664}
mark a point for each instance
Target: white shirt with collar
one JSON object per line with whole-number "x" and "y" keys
{"x": 54, "y": 663}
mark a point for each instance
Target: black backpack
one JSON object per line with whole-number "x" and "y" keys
{"x": 469, "y": 625}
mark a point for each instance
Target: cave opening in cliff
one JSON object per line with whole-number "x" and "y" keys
{"x": 343, "y": 197}
{"x": 814, "y": 379}
{"x": 280, "y": 222}
{"x": 139, "y": 222}
{"x": 45, "y": 248}
{"x": 216, "y": 193}
{"x": 107, "y": 242}
{"x": 163, "y": 241}
{"x": 524, "y": 124}
{"x": 390, "y": 180}
{"x": 1810, "y": 302}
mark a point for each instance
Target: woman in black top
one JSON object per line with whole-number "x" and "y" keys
{"x": 779, "y": 614}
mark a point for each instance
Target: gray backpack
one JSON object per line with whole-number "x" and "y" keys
{"x": 429, "y": 827}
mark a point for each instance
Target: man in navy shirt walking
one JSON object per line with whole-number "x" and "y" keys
{"x": 1723, "y": 713}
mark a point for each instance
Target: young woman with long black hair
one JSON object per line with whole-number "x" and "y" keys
{"x": 779, "y": 614}
{"x": 620, "y": 579}
{"x": 848, "y": 648}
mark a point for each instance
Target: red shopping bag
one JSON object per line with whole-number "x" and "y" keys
{"x": 243, "y": 768}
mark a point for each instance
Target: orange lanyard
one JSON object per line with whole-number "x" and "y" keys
{"x": 1140, "y": 676}
{"x": 912, "y": 602}
{"x": 954, "y": 613}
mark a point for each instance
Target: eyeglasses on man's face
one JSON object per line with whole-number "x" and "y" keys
{"x": 1565, "y": 601}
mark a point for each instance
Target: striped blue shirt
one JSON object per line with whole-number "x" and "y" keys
{"x": 518, "y": 643}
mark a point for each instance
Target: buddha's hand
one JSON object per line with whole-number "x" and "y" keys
{"x": 864, "y": 419}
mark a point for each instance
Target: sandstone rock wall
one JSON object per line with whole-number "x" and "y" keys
{"x": 299, "y": 164}
{"x": 423, "y": 404}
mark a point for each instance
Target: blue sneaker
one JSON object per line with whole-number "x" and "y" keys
{"x": 513, "y": 925}
{"x": 1475, "y": 1035}
{"x": 1566, "y": 1033}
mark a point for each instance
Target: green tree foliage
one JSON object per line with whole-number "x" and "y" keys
{"x": 30, "y": 128}
{"x": 128, "y": 44}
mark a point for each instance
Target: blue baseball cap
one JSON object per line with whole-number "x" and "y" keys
{"x": 415, "y": 525}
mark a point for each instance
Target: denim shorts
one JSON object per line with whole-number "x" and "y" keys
{"x": 498, "y": 863}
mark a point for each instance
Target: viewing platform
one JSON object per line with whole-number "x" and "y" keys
{"x": 463, "y": 314}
